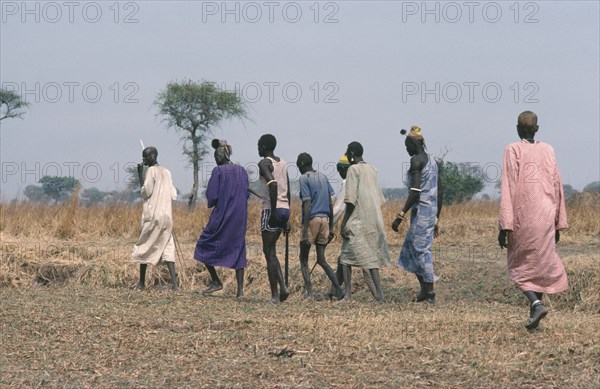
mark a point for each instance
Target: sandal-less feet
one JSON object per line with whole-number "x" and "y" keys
{"x": 429, "y": 297}
{"x": 212, "y": 288}
{"x": 422, "y": 296}
{"x": 538, "y": 312}
{"x": 283, "y": 295}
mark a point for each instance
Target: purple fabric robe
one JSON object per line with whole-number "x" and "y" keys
{"x": 223, "y": 241}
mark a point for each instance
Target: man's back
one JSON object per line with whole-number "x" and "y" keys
{"x": 279, "y": 173}
{"x": 158, "y": 192}
{"x": 316, "y": 187}
{"x": 533, "y": 183}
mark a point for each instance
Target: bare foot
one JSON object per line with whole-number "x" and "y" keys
{"x": 138, "y": 287}
{"x": 309, "y": 298}
{"x": 283, "y": 295}
{"x": 239, "y": 295}
{"x": 345, "y": 301}
{"x": 213, "y": 288}
{"x": 273, "y": 301}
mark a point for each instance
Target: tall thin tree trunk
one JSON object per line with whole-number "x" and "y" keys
{"x": 194, "y": 195}
{"x": 195, "y": 164}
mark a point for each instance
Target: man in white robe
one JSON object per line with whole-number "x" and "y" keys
{"x": 362, "y": 229}
{"x": 156, "y": 242}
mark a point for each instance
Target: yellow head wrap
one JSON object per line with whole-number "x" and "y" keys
{"x": 343, "y": 163}
{"x": 415, "y": 133}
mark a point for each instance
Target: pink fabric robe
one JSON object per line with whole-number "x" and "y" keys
{"x": 532, "y": 206}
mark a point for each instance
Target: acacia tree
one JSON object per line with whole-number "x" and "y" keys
{"x": 460, "y": 181}
{"x": 53, "y": 188}
{"x": 59, "y": 188}
{"x": 193, "y": 109}
{"x": 11, "y": 105}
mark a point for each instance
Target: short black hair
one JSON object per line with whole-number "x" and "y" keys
{"x": 268, "y": 141}
{"x": 356, "y": 148}
{"x": 304, "y": 159}
{"x": 151, "y": 150}
{"x": 527, "y": 121}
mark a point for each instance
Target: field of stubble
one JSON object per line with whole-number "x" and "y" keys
{"x": 69, "y": 319}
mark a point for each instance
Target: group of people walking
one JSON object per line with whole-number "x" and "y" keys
{"x": 532, "y": 213}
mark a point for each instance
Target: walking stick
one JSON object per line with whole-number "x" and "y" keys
{"x": 287, "y": 256}
{"x": 331, "y": 237}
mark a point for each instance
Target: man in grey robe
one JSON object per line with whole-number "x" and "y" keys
{"x": 156, "y": 242}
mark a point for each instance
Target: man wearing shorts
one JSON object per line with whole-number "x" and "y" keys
{"x": 275, "y": 195}
{"x": 317, "y": 221}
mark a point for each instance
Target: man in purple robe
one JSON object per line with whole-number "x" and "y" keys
{"x": 223, "y": 241}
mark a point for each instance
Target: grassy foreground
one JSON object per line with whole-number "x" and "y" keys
{"x": 115, "y": 338}
{"x": 68, "y": 319}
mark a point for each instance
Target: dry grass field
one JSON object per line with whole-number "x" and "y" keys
{"x": 69, "y": 319}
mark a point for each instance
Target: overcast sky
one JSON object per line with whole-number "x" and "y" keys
{"x": 317, "y": 75}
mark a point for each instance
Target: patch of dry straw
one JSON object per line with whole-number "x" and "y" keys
{"x": 69, "y": 244}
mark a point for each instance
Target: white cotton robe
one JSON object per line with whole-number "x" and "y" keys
{"x": 156, "y": 239}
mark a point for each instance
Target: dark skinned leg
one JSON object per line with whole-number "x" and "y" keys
{"x": 369, "y": 282}
{"x": 339, "y": 274}
{"x": 283, "y": 290}
{"x": 427, "y": 293}
{"x": 340, "y": 277}
{"x": 531, "y": 296}
{"x": 173, "y": 274}
{"x": 537, "y": 311}
{"x": 377, "y": 282}
{"x": 430, "y": 292}
{"x": 239, "y": 276}
{"x": 304, "y": 251}
{"x": 142, "y": 283}
{"x": 215, "y": 283}
{"x": 422, "y": 296}
{"x": 348, "y": 284}
{"x": 273, "y": 267}
{"x": 328, "y": 270}
{"x": 271, "y": 271}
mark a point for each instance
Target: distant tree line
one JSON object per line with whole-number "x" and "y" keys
{"x": 592, "y": 187}
{"x": 56, "y": 189}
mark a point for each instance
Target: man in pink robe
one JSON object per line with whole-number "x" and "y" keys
{"x": 532, "y": 211}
